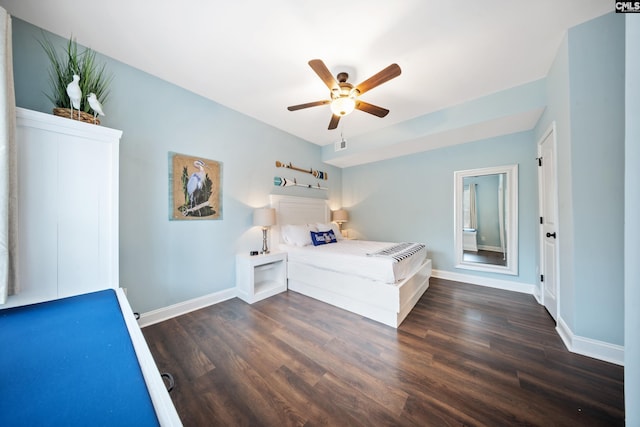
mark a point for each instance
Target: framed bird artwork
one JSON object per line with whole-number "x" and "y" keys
{"x": 194, "y": 188}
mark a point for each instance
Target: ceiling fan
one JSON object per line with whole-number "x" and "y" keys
{"x": 344, "y": 95}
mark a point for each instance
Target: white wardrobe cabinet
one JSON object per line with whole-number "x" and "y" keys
{"x": 67, "y": 207}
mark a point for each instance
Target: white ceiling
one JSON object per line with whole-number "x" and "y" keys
{"x": 252, "y": 55}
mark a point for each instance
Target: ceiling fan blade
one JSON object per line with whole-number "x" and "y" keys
{"x": 392, "y": 71}
{"x": 323, "y": 72}
{"x": 334, "y": 122}
{"x": 371, "y": 109}
{"x": 307, "y": 105}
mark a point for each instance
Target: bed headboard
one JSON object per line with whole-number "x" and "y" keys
{"x": 297, "y": 211}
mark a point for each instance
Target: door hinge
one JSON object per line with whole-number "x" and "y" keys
{"x": 542, "y": 277}
{"x": 539, "y": 159}
{"x": 541, "y": 222}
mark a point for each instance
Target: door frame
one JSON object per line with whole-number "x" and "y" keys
{"x": 551, "y": 130}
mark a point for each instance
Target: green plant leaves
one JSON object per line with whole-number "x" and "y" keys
{"x": 93, "y": 76}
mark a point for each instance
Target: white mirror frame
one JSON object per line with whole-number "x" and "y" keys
{"x": 511, "y": 219}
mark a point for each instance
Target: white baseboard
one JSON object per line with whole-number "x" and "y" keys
{"x": 600, "y": 350}
{"x": 507, "y": 285}
{"x": 165, "y": 313}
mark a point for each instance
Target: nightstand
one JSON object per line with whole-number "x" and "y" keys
{"x": 260, "y": 276}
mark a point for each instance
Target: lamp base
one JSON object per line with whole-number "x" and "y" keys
{"x": 265, "y": 249}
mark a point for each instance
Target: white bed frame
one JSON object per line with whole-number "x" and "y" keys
{"x": 384, "y": 303}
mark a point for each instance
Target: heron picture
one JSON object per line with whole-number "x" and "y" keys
{"x": 194, "y": 187}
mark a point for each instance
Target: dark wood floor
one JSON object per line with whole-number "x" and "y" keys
{"x": 466, "y": 355}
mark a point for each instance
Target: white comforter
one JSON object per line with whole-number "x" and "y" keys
{"x": 350, "y": 257}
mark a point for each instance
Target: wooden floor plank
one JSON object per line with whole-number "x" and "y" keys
{"x": 466, "y": 355}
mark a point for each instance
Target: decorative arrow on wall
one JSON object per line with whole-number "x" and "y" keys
{"x": 284, "y": 182}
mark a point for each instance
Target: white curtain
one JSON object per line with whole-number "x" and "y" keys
{"x": 473, "y": 212}
{"x": 8, "y": 165}
{"x": 501, "y": 214}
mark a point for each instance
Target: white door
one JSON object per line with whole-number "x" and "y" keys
{"x": 547, "y": 188}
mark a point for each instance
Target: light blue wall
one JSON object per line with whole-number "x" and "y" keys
{"x": 585, "y": 90}
{"x": 596, "y": 66}
{"x": 410, "y": 198}
{"x": 164, "y": 262}
{"x": 632, "y": 231}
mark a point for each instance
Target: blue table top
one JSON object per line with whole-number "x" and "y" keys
{"x": 71, "y": 362}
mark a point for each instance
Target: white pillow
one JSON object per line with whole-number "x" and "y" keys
{"x": 332, "y": 226}
{"x": 297, "y": 235}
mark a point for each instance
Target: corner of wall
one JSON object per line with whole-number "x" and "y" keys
{"x": 589, "y": 347}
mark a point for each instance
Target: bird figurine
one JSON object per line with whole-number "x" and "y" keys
{"x": 75, "y": 94}
{"x": 95, "y": 105}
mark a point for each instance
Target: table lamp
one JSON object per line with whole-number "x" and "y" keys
{"x": 265, "y": 218}
{"x": 339, "y": 217}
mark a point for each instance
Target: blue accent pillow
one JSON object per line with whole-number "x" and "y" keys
{"x": 323, "y": 237}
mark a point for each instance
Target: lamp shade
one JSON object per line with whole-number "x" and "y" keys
{"x": 340, "y": 216}
{"x": 264, "y": 217}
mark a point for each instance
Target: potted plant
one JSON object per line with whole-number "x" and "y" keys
{"x": 93, "y": 79}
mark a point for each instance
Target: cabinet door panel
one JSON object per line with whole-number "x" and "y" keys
{"x": 37, "y": 208}
{"x": 83, "y": 203}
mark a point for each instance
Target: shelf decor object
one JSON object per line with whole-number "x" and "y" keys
{"x": 265, "y": 218}
{"x": 286, "y": 182}
{"x": 80, "y": 71}
{"x": 316, "y": 173}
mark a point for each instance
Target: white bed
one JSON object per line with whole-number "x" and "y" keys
{"x": 341, "y": 274}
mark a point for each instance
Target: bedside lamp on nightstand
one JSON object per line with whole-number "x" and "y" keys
{"x": 339, "y": 217}
{"x": 265, "y": 218}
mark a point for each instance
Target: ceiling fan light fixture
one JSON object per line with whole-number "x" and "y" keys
{"x": 343, "y": 105}
{"x": 344, "y": 97}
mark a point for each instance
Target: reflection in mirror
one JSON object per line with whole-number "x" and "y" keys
{"x": 483, "y": 206}
{"x": 486, "y": 219}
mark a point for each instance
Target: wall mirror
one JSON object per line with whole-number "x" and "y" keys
{"x": 486, "y": 219}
